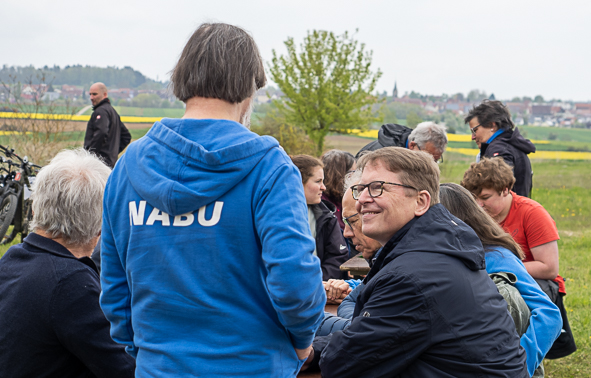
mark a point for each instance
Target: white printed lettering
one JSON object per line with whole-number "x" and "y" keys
{"x": 215, "y": 217}
{"x": 136, "y": 216}
{"x": 158, "y": 215}
{"x": 180, "y": 222}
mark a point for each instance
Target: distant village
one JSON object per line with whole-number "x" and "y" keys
{"x": 527, "y": 111}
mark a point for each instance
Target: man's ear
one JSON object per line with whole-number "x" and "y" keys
{"x": 423, "y": 202}
{"x": 505, "y": 192}
{"x": 412, "y": 145}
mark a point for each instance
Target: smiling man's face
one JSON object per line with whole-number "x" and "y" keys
{"x": 367, "y": 246}
{"x": 383, "y": 216}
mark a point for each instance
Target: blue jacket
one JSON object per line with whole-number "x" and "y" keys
{"x": 428, "y": 309}
{"x": 545, "y": 322}
{"x": 202, "y": 257}
{"x": 50, "y": 320}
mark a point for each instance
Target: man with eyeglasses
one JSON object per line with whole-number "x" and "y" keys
{"x": 428, "y": 308}
{"x": 427, "y": 136}
{"x": 496, "y": 135}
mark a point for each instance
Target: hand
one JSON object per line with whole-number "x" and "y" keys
{"x": 336, "y": 290}
{"x": 310, "y": 358}
{"x": 304, "y": 353}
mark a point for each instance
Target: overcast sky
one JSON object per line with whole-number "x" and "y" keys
{"x": 510, "y": 48}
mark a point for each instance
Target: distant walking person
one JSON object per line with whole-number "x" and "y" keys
{"x": 496, "y": 135}
{"x": 106, "y": 135}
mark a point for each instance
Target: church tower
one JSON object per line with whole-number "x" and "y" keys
{"x": 395, "y": 91}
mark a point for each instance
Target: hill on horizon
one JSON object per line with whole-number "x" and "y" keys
{"x": 79, "y": 75}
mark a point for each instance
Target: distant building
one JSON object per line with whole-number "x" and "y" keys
{"x": 395, "y": 91}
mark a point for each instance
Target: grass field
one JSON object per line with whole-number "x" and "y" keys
{"x": 564, "y": 189}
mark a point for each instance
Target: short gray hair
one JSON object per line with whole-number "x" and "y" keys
{"x": 352, "y": 179}
{"x": 68, "y": 196}
{"x": 429, "y": 132}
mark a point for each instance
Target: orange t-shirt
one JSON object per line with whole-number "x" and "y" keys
{"x": 531, "y": 226}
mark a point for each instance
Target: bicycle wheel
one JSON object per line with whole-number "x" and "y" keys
{"x": 7, "y": 211}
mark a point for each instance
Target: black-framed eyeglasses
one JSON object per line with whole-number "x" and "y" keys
{"x": 347, "y": 223}
{"x": 375, "y": 188}
{"x": 473, "y": 129}
{"x": 438, "y": 161}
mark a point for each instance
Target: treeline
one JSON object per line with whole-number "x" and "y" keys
{"x": 113, "y": 77}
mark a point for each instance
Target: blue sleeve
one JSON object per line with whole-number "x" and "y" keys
{"x": 353, "y": 283}
{"x": 347, "y": 307}
{"x": 294, "y": 278}
{"x": 115, "y": 298}
{"x": 545, "y": 322}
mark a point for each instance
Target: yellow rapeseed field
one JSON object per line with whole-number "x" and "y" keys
{"x": 546, "y": 155}
{"x": 450, "y": 137}
{"x": 68, "y": 117}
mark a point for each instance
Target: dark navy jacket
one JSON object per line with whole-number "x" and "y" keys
{"x": 106, "y": 135}
{"x": 50, "y": 320}
{"x": 331, "y": 246}
{"x": 513, "y": 148}
{"x": 428, "y": 309}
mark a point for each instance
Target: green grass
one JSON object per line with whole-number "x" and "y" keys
{"x": 564, "y": 134}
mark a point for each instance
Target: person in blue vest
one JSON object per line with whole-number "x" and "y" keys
{"x": 496, "y": 135}
{"x": 202, "y": 256}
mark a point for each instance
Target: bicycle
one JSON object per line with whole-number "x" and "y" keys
{"x": 15, "y": 192}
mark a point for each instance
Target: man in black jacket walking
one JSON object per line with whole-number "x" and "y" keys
{"x": 428, "y": 308}
{"x": 106, "y": 135}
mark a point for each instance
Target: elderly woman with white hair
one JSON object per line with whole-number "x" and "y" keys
{"x": 50, "y": 317}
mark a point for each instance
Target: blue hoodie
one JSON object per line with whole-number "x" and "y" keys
{"x": 202, "y": 256}
{"x": 545, "y": 322}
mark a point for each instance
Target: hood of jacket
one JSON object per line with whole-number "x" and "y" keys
{"x": 226, "y": 152}
{"x": 514, "y": 138}
{"x": 392, "y": 134}
{"x": 436, "y": 231}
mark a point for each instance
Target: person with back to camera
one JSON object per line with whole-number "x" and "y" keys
{"x": 428, "y": 308}
{"x": 51, "y": 321}
{"x": 426, "y": 136}
{"x": 494, "y": 132}
{"x": 337, "y": 164}
{"x": 203, "y": 258}
{"x": 331, "y": 247}
{"x": 490, "y": 182}
{"x": 503, "y": 254}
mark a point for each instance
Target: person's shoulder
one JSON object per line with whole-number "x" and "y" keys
{"x": 525, "y": 203}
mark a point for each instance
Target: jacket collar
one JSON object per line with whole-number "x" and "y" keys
{"x": 45, "y": 245}
{"x": 105, "y": 100}
{"x": 436, "y": 231}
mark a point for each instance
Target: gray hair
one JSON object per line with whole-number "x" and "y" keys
{"x": 68, "y": 196}
{"x": 219, "y": 61}
{"x": 352, "y": 179}
{"x": 429, "y": 132}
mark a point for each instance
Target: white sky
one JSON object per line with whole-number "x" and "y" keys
{"x": 507, "y": 47}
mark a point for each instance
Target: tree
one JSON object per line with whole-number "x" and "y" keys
{"x": 327, "y": 85}
{"x": 412, "y": 120}
{"x": 539, "y": 98}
